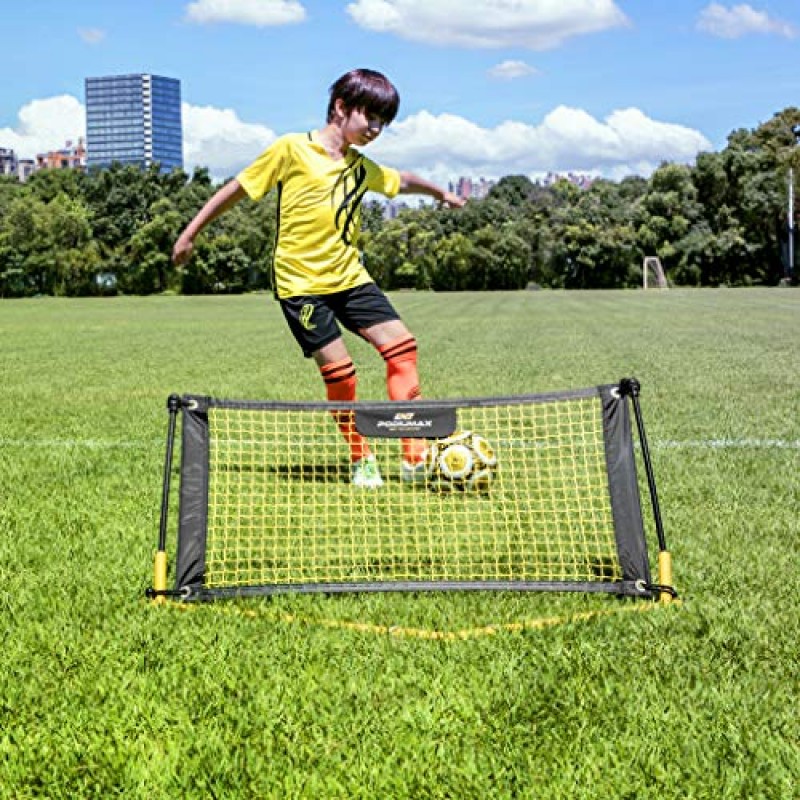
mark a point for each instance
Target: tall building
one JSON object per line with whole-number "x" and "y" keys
{"x": 134, "y": 119}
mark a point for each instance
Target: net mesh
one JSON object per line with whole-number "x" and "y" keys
{"x": 282, "y": 509}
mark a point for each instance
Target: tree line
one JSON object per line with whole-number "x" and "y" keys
{"x": 722, "y": 221}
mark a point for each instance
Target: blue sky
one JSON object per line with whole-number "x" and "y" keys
{"x": 488, "y": 87}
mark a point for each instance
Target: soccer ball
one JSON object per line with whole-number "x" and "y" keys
{"x": 463, "y": 462}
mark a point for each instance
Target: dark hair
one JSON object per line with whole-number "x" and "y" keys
{"x": 366, "y": 89}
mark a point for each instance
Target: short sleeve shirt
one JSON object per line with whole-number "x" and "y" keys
{"x": 319, "y": 211}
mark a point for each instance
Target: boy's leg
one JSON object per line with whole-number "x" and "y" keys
{"x": 367, "y": 311}
{"x": 313, "y": 325}
{"x": 339, "y": 374}
{"x": 398, "y": 347}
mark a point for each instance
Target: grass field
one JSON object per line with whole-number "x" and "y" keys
{"x": 395, "y": 696}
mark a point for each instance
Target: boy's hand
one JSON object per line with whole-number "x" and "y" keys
{"x": 182, "y": 251}
{"x": 413, "y": 184}
{"x": 452, "y": 200}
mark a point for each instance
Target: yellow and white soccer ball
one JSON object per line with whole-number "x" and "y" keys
{"x": 464, "y": 462}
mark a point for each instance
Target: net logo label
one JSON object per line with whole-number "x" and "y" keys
{"x": 405, "y": 420}
{"x": 389, "y": 424}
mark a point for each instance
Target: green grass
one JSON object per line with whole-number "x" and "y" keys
{"x": 102, "y": 694}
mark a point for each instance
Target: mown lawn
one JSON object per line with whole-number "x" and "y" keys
{"x": 394, "y": 696}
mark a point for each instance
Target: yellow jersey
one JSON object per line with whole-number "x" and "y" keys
{"x": 319, "y": 212}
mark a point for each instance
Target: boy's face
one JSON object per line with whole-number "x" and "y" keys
{"x": 360, "y": 127}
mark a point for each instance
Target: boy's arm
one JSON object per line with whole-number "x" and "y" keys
{"x": 413, "y": 184}
{"x": 227, "y": 197}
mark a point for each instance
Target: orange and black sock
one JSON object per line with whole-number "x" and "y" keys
{"x": 340, "y": 384}
{"x": 402, "y": 383}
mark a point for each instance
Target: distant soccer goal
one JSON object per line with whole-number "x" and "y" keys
{"x": 534, "y": 492}
{"x": 653, "y": 273}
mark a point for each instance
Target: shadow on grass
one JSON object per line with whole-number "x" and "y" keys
{"x": 315, "y": 473}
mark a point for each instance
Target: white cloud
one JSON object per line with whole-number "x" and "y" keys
{"x": 216, "y": 138}
{"x": 534, "y": 24}
{"x": 261, "y": 13}
{"x": 510, "y": 70}
{"x": 45, "y": 125}
{"x": 212, "y": 137}
{"x": 441, "y": 147}
{"x": 740, "y": 20}
{"x": 92, "y": 35}
{"x": 568, "y": 139}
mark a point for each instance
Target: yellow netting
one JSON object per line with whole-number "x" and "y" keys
{"x": 282, "y": 509}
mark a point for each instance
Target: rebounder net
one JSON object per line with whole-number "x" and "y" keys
{"x": 534, "y": 492}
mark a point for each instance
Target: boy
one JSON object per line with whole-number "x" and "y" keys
{"x": 317, "y": 271}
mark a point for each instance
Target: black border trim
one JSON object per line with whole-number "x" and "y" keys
{"x": 193, "y": 515}
{"x": 625, "y": 588}
{"x": 386, "y": 405}
{"x": 623, "y": 486}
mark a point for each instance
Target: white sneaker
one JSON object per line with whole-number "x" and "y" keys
{"x": 413, "y": 473}
{"x": 365, "y": 473}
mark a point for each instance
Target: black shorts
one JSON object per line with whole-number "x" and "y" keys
{"x": 313, "y": 318}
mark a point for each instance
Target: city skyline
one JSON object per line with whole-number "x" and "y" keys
{"x": 488, "y": 88}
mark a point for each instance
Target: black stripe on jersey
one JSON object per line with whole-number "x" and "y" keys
{"x": 352, "y": 198}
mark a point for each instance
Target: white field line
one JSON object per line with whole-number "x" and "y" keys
{"x": 724, "y": 443}
{"x": 88, "y": 444}
{"x": 728, "y": 443}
